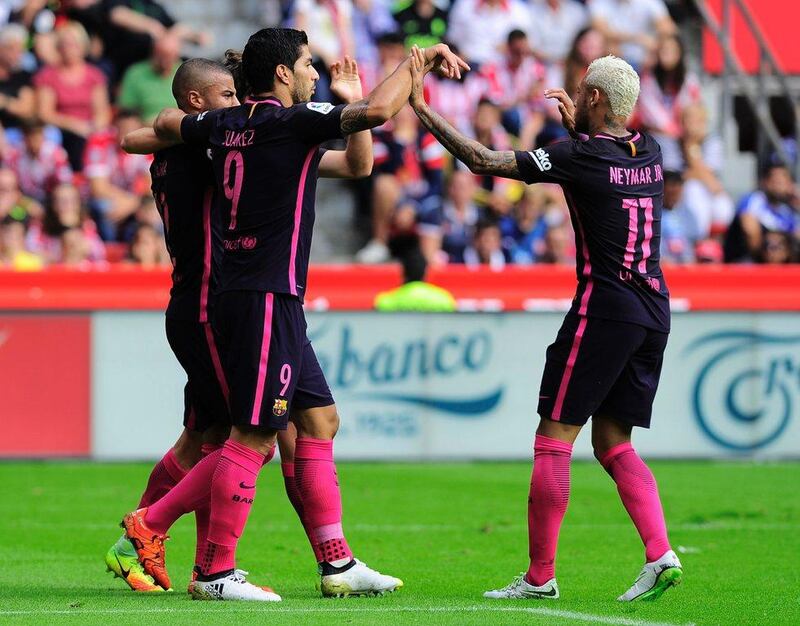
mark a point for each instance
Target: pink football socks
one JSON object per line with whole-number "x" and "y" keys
{"x": 318, "y": 487}
{"x": 547, "y": 505}
{"x": 233, "y": 489}
{"x": 297, "y": 502}
{"x": 165, "y": 475}
{"x": 189, "y": 494}
{"x": 639, "y": 494}
{"x": 202, "y": 513}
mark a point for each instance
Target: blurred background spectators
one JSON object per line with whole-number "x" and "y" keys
{"x": 76, "y": 75}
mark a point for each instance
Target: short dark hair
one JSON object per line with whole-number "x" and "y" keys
{"x": 266, "y": 50}
{"x": 515, "y": 35}
{"x": 414, "y": 265}
{"x": 768, "y": 169}
{"x": 233, "y": 61}
{"x": 194, "y": 74}
{"x": 486, "y": 223}
{"x": 391, "y": 38}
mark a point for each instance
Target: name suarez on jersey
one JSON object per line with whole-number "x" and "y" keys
{"x": 239, "y": 139}
{"x": 635, "y": 175}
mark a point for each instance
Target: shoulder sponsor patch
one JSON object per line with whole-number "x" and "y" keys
{"x": 541, "y": 159}
{"x": 320, "y": 107}
{"x": 202, "y": 115}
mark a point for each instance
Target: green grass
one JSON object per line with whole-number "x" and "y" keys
{"x": 450, "y": 531}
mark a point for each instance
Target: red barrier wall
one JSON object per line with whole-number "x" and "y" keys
{"x": 52, "y": 352}
{"x": 777, "y": 21}
{"x": 350, "y": 287}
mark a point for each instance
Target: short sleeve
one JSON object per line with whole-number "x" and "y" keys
{"x": 95, "y": 78}
{"x": 44, "y": 77}
{"x": 316, "y": 122}
{"x": 196, "y": 129}
{"x": 552, "y": 164}
{"x": 657, "y": 9}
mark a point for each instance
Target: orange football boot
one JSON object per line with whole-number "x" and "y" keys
{"x": 149, "y": 547}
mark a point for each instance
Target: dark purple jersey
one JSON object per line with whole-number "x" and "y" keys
{"x": 183, "y": 187}
{"x": 615, "y": 190}
{"x": 266, "y": 158}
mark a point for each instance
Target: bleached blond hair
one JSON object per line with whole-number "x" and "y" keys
{"x": 618, "y": 80}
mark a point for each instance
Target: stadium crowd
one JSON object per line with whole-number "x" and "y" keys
{"x": 76, "y": 75}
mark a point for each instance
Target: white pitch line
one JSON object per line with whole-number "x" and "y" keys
{"x": 264, "y": 608}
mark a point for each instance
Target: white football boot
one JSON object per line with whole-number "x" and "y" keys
{"x": 358, "y": 580}
{"x": 233, "y": 586}
{"x": 521, "y": 589}
{"x": 655, "y": 578}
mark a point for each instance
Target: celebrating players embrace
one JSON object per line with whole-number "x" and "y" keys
{"x": 239, "y": 228}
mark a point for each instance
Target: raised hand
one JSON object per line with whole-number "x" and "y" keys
{"x": 418, "y": 65}
{"x": 345, "y": 82}
{"x": 565, "y": 106}
{"x": 444, "y": 61}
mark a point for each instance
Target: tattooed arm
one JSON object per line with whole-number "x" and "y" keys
{"x": 392, "y": 94}
{"x": 476, "y": 156}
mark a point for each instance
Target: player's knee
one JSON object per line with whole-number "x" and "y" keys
{"x": 318, "y": 423}
{"x": 187, "y": 449}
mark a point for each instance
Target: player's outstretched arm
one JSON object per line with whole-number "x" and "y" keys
{"x": 356, "y": 160}
{"x": 392, "y": 94}
{"x": 168, "y": 125}
{"x": 476, "y": 156}
{"x": 144, "y": 141}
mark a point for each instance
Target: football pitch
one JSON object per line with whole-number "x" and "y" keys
{"x": 450, "y": 531}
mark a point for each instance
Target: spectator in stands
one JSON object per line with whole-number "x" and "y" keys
{"x": 129, "y": 28}
{"x": 66, "y": 212}
{"x": 12, "y": 201}
{"x": 13, "y": 254}
{"x": 422, "y": 22}
{"x": 390, "y": 53}
{"x": 486, "y": 248}
{"x": 331, "y": 23}
{"x": 557, "y": 246}
{"x": 73, "y": 95}
{"x": 704, "y": 194}
{"x": 17, "y": 101}
{"x": 515, "y": 84}
{"x": 525, "y": 231}
{"x": 117, "y": 181}
{"x": 39, "y": 163}
{"x": 147, "y": 86}
{"x": 779, "y": 248}
{"x": 408, "y": 181}
{"x": 679, "y": 230}
{"x": 589, "y": 45}
{"x": 632, "y": 27}
{"x": 415, "y": 294}
{"x": 773, "y": 208}
{"x": 480, "y": 27}
{"x": 666, "y": 91}
{"x": 371, "y": 19}
{"x": 444, "y": 235}
{"x": 487, "y": 128}
{"x": 148, "y": 249}
{"x": 554, "y": 25}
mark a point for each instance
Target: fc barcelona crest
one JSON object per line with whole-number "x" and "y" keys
{"x": 280, "y": 406}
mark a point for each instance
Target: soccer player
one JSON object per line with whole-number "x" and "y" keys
{"x": 182, "y": 184}
{"x": 183, "y": 188}
{"x": 266, "y": 159}
{"x": 607, "y": 356}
